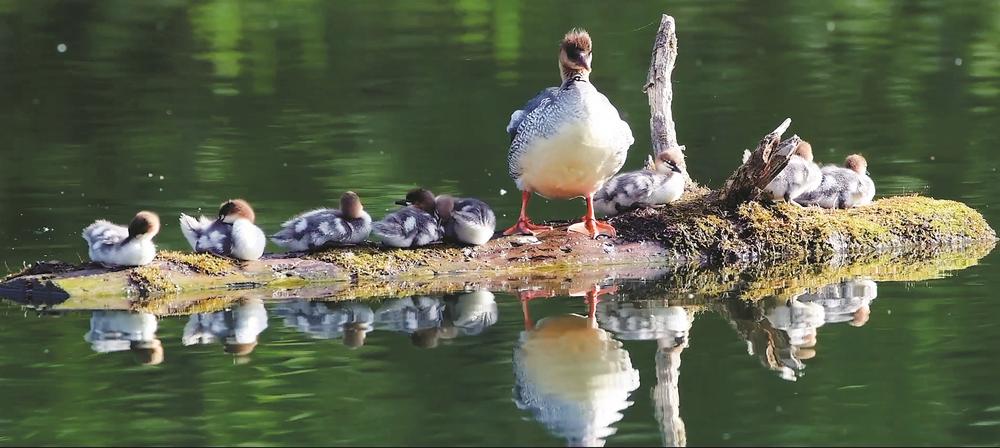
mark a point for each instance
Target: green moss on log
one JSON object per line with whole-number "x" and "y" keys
{"x": 373, "y": 261}
{"x": 200, "y": 263}
{"x": 698, "y": 227}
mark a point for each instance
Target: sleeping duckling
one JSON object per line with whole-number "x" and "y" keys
{"x": 117, "y": 245}
{"x": 800, "y": 176}
{"x": 409, "y": 226}
{"x": 465, "y": 220}
{"x": 660, "y": 182}
{"x": 233, "y": 234}
{"x": 845, "y": 187}
{"x": 326, "y": 227}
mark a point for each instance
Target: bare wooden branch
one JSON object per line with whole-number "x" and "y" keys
{"x": 658, "y": 88}
{"x": 761, "y": 167}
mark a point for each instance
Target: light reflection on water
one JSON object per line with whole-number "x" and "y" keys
{"x": 572, "y": 374}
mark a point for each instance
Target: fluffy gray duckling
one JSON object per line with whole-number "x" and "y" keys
{"x": 326, "y": 226}
{"x": 845, "y": 187}
{"x": 660, "y": 182}
{"x": 117, "y": 245}
{"x": 465, "y": 220}
{"x": 800, "y": 176}
{"x": 410, "y": 226}
{"x": 233, "y": 234}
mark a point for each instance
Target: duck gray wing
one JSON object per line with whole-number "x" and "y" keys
{"x": 313, "y": 229}
{"x": 408, "y": 227}
{"x": 474, "y": 211}
{"x": 104, "y": 233}
{"x": 542, "y": 98}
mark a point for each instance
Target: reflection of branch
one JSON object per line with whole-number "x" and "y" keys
{"x": 666, "y": 394}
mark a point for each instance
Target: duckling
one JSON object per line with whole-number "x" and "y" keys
{"x": 566, "y": 142}
{"x": 800, "y": 176}
{"x": 846, "y": 187}
{"x": 410, "y": 226}
{"x": 117, "y": 245}
{"x": 465, "y": 220}
{"x": 660, "y": 182}
{"x": 233, "y": 234}
{"x": 326, "y": 227}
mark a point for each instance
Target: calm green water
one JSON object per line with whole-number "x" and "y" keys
{"x": 112, "y": 106}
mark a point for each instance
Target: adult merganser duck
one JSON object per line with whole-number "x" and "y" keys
{"x": 409, "y": 226}
{"x": 326, "y": 227}
{"x": 566, "y": 142}
{"x": 117, "y": 245}
{"x": 845, "y": 187}
{"x": 465, "y": 220}
{"x": 660, "y": 182}
{"x": 233, "y": 234}
{"x": 800, "y": 176}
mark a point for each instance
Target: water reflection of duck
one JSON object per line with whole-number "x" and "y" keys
{"x": 329, "y": 320}
{"x": 670, "y": 327}
{"x": 848, "y": 301}
{"x": 471, "y": 313}
{"x": 573, "y": 376}
{"x": 418, "y": 316}
{"x": 237, "y": 327}
{"x": 112, "y": 331}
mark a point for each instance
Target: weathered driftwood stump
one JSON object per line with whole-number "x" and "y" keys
{"x": 727, "y": 229}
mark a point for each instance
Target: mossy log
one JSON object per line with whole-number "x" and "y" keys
{"x": 406, "y": 273}
{"x": 729, "y": 227}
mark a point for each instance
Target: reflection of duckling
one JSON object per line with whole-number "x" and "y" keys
{"x": 800, "y": 176}
{"x": 233, "y": 234}
{"x": 112, "y": 331}
{"x": 847, "y": 301}
{"x": 329, "y": 320}
{"x": 471, "y": 313}
{"x": 843, "y": 187}
{"x": 573, "y": 377}
{"x": 661, "y": 182}
{"x": 117, "y": 245}
{"x": 237, "y": 328}
{"x": 409, "y": 315}
{"x": 799, "y": 322}
{"x": 465, "y": 220}
{"x": 326, "y": 227}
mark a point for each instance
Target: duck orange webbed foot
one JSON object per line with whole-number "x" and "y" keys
{"x": 593, "y": 228}
{"x": 525, "y": 227}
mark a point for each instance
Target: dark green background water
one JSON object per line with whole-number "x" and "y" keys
{"x": 174, "y": 106}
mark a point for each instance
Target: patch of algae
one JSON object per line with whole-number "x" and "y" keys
{"x": 371, "y": 261}
{"x": 150, "y": 280}
{"x": 698, "y": 227}
{"x": 201, "y": 263}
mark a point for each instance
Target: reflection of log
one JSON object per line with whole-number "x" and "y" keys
{"x": 666, "y": 395}
{"x": 659, "y": 88}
